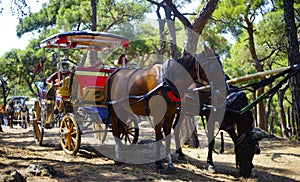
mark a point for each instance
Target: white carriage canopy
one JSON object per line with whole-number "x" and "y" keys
{"x": 84, "y": 40}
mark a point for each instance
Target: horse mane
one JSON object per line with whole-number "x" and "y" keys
{"x": 153, "y": 64}
{"x": 187, "y": 61}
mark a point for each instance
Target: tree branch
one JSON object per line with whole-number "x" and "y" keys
{"x": 268, "y": 56}
{"x": 182, "y": 18}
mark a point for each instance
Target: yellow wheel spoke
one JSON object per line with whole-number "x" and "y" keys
{"x": 74, "y": 133}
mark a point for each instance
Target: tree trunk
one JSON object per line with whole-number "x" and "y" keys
{"x": 268, "y": 109}
{"x": 292, "y": 123}
{"x": 3, "y": 86}
{"x": 93, "y": 54}
{"x": 283, "y": 122}
{"x": 172, "y": 32}
{"x": 294, "y": 58}
{"x": 173, "y": 43}
{"x": 259, "y": 68}
{"x": 94, "y": 15}
{"x": 193, "y": 29}
{"x": 255, "y": 110}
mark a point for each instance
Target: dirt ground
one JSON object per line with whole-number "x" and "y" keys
{"x": 279, "y": 161}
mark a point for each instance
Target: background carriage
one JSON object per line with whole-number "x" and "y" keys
{"x": 73, "y": 97}
{"x": 20, "y": 113}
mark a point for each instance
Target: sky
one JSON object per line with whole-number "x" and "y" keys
{"x": 9, "y": 22}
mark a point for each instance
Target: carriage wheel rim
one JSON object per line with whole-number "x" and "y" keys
{"x": 70, "y": 136}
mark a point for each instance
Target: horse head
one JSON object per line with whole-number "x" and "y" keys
{"x": 190, "y": 64}
{"x": 247, "y": 146}
{"x": 182, "y": 72}
{"x": 11, "y": 103}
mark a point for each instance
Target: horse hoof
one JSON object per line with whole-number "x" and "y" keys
{"x": 181, "y": 157}
{"x": 171, "y": 169}
{"x": 119, "y": 163}
{"x": 211, "y": 169}
{"x": 161, "y": 171}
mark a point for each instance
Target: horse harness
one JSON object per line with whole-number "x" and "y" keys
{"x": 165, "y": 87}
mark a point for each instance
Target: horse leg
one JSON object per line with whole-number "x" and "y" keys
{"x": 158, "y": 138}
{"x": 116, "y": 133}
{"x": 176, "y": 127}
{"x": 211, "y": 144}
{"x": 1, "y": 130}
{"x": 209, "y": 155}
{"x": 10, "y": 122}
{"x": 26, "y": 121}
{"x": 22, "y": 120}
{"x": 233, "y": 136}
{"x": 167, "y": 131}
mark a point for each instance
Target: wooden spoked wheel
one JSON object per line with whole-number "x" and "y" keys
{"x": 70, "y": 136}
{"x": 129, "y": 131}
{"x": 100, "y": 130}
{"x": 38, "y": 132}
{"x": 38, "y": 127}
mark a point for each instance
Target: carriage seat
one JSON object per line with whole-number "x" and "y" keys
{"x": 93, "y": 94}
{"x": 64, "y": 91}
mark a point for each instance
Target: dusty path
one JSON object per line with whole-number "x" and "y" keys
{"x": 279, "y": 161}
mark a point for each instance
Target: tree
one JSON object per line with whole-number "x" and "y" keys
{"x": 238, "y": 18}
{"x": 64, "y": 15}
{"x": 19, "y": 8}
{"x": 4, "y": 89}
{"x": 293, "y": 57}
{"x": 194, "y": 28}
{"x": 192, "y": 32}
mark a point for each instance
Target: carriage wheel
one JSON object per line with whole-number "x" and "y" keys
{"x": 70, "y": 136}
{"x": 100, "y": 130}
{"x": 130, "y": 131}
{"x": 38, "y": 132}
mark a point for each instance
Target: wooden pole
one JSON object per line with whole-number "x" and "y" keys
{"x": 249, "y": 77}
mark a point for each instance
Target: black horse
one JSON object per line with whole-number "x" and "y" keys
{"x": 241, "y": 130}
{"x": 239, "y": 126}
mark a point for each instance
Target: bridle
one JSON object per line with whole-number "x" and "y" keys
{"x": 200, "y": 72}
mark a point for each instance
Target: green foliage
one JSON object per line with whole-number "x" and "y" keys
{"x": 232, "y": 14}
{"x": 66, "y": 15}
{"x": 126, "y": 18}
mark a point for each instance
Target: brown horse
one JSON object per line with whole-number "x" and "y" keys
{"x": 147, "y": 92}
{"x": 24, "y": 115}
{"x": 10, "y": 113}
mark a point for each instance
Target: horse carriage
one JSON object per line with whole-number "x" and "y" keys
{"x": 95, "y": 97}
{"x": 73, "y": 97}
{"x": 17, "y": 111}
